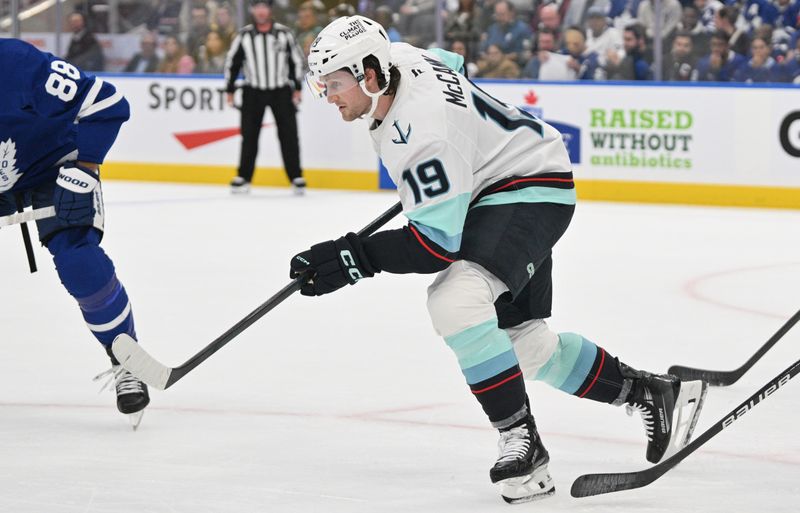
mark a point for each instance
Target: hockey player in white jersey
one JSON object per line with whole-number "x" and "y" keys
{"x": 488, "y": 191}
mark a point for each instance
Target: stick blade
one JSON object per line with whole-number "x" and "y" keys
{"x": 598, "y": 484}
{"x": 139, "y": 363}
{"x": 712, "y": 377}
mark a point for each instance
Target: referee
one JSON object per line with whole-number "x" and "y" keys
{"x": 273, "y": 70}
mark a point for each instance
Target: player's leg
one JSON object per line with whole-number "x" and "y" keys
{"x": 88, "y": 274}
{"x": 460, "y": 302}
{"x": 252, "y": 115}
{"x": 577, "y": 366}
{"x": 285, "y": 113}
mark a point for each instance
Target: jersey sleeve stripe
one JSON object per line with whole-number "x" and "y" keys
{"x": 450, "y": 243}
{"x": 88, "y": 110}
{"x": 427, "y": 247}
{"x": 90, "y": 97}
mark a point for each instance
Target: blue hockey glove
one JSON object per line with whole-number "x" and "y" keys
{"x": 333, "y": 264}
{"x": 74, "y": 195}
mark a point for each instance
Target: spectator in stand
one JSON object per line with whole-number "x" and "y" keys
{"x": 725, "y": 21}
{"x": 707, "y": 10}
{"x": 463, "y": 25}
{"x": 84, "y": 49}
{"x": 545, "y": 46}
{"x": 341, "y": 10}
{"x": 165, "y": 16}
{"x": 781, "y": 14}
{"x": 175, "y": 60}
{"x": 211, "y": 56}
{"x": 761, "y": 67}
{"x": 789, "y": 69}
{"x": 600, "y": 37}
{"x": 623, "y": 13}
{"x": 146, "y": 60}
{"x": 670, "y": 17}
{"x": 385, "y": 17}
{"x": 549, "y": 18}
{"x": 507, "y": 32}
{"x": 584, "y": 63}
{"x": 198, "y": 30}
{"x": 417, "y": 21}
{"x": 495, "y": 64}
{"x": 637, "y": 61}
{"x": 691, "y": 24}
{"x": 681, "y": 61}
{"x": 460, "y": 48}
{"x": 224, "y": 22}
{"x": 307, "y": 26}
{"x": 721, "y": 64}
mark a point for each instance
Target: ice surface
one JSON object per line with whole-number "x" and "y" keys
{"x": 350, "y": 403}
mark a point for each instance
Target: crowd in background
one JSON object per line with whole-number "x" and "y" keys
{"x": 702, "y": 40}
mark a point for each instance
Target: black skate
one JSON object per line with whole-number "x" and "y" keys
{"x": 669, "y": 409}
{"x": 132, "y": 394}
{"x": 521, "y": 469}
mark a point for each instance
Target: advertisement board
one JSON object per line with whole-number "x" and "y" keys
{"x": 651, "y": 142}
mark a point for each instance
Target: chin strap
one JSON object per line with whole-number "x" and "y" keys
{"x": 373, "y": 96}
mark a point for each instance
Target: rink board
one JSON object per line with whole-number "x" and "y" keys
{"x": 694, "y": 144}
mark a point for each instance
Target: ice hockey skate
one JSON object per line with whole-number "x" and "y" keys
{"x": 669, "y": 409}
{"x": 521, "y": 469}
{"x": 132, "y": 394}
{"x": 240, "y": 186}
{"x": 299, "y": 186}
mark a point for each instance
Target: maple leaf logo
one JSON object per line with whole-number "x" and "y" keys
{"x": 8, "y": 157}
{"x": 531, "y": 98}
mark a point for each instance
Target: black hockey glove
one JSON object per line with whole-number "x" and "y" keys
{"x": 333, "y": 264}
{"x": 73, "y": 197}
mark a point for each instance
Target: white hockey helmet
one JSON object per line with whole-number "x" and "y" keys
{"x": 344, "y": 43}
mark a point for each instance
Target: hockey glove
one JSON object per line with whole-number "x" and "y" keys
{"x": 74, "y": 195}
{"x": 332, "y": 265}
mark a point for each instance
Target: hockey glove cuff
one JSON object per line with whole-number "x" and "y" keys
{"x": 333, "y": 264}
{"x": 73, "y": 198}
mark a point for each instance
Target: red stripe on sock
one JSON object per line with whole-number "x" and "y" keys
{"x": 561, "y": 180}
{"x": 596, "y": 374}
{"x": 431, "y": 251}
{"x": 476, "y": 392}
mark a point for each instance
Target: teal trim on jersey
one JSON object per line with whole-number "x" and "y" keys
{"x": 479, "y": 344}
{"x": 490, "y": 368}
{"x": 447, "y": 216}
{"x": 452, "y": 60}
{"x": 569, "y": 364}
{"x": 450, "y": 243}
{"x": 530, "y": 195}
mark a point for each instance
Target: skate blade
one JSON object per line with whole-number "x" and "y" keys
{"x": 690, "y": 402}
{"x": 135, "y": 419}
{"x": 535, "y": 486}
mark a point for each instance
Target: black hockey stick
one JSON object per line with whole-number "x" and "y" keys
{"x": 136, "y": 360}
{"x": 596, "y": 484}
{"x": 725, "y": 378}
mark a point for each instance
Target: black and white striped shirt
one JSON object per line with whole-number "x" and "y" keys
{"x": 270, "y": 59}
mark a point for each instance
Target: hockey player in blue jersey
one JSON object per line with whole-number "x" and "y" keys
{"x": 56, "y": 126}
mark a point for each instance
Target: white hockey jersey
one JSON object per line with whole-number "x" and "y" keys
{"x": 444, "y": 141}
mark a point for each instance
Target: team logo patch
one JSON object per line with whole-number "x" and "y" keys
{"x": 9, "y": 174}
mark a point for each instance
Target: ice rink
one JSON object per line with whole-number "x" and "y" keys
{"x": 350, "y": 402}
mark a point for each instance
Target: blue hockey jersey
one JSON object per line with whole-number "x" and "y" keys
{"x": 51, "y": 113}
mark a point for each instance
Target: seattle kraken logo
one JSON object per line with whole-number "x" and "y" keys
{"x": 403, "y": 138}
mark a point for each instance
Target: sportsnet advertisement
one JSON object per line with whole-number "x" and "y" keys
{"x": 708, "y": 145}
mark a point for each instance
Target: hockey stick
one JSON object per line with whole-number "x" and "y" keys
{"x": 725, "y": 378}
{"x": 136, "y": 360}
{"x": 30, "y": 215}
{"x": 596, "y": 484}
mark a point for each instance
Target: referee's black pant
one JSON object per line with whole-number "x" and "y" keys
{"x": 254, "y": 103}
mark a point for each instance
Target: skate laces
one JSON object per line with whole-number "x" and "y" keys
{"x": 121, "y": 379}
{"x": 647, "y": 417}
{"x": 513, "y": 444}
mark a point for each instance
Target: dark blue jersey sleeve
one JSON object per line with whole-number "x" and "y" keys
{"x": 64, "y": 94}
